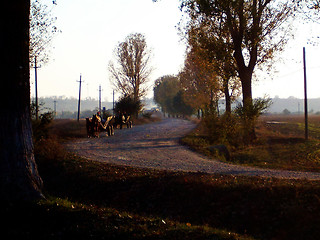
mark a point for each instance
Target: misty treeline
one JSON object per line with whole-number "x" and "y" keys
{"x": 66, "y": 107}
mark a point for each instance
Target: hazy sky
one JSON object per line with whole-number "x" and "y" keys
{"x": 91, "y": 30}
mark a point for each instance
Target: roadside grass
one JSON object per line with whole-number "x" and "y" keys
{"x": 94, "y": 200}
{"x": 280, "y": 144}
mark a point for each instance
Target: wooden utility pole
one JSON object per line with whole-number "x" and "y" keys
{"x": 305, "y": 94}
{"x": 100, "y": 98}
{"x": 36, "y": 86}
{"x": 79, "y": 98}
{"x": 55, "y": 107}
{"x": 113, "y": 102}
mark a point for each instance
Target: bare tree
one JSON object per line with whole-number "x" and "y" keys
{"x": 131, "y": 71}
{"x": 42, "y": 31}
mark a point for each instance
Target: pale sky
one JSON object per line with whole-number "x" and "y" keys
{"x": 91, "y": 29}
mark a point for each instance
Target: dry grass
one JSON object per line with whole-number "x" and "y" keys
{"x": 280, "y": 144}
{"x": 93, "y": 200}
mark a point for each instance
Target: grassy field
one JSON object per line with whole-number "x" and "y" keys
{"x": 91, "y": 200}
{"x": 280, "y": 144}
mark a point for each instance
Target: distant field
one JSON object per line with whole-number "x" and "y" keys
{"x": 293, "y": 125}
{"x": 280, "y": 144}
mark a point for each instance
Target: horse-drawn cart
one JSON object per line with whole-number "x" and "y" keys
{"x": 121, "y": 120}
{"x": 95, "y": 125}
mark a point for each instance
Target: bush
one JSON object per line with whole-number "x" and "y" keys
{"x": 233, "y": 129}
{"x": 41, "y": 126}
{"x": 128, "y": 105}
{"x": 223, "y": 129}
{"x": 248, "y": 116}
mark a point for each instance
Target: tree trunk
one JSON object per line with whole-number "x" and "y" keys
{"x": 227, "y": 96}
{"x": 19, "y": 178}
{"x": 246, "y": 81}
{"x": 246, "y": 78}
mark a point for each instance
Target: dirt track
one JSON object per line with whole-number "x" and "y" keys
{"x": 156, "y": 146}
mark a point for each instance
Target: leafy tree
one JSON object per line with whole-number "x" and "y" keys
{"x": 170, "y": 96}
{"x": 181, "y": 106}
{"x": 19, "y": 176}
{"x": 254, "y": 30}
{"x": 165, "y": 89}
{"x": 214, "y": 46}
{"x": 131, "y": 71}
{"x": 200, "y": 81}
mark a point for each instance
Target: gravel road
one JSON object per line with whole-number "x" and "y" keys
{"x": 157, "y": 146}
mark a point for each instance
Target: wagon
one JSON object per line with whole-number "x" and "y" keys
{"x": 95, "y": 125}
{"x": 121, "y": 120}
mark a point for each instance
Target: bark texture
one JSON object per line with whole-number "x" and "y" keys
{"x": 19, "y": 178}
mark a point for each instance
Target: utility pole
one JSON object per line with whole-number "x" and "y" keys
{"x": 305, "y": 94}
{"x": 113, "y": 102}
{"x": 79, "y": 98}
{"x": 100, "y": 98}
{"x": 55, "y": 107}
{"x": 36, "y": 86}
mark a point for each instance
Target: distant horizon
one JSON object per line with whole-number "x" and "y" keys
{"x": 292, "y": 104}
{"x": 148, "y": 98}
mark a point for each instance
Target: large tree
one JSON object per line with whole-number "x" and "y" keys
{"x": 19, "y": 178}
{"x": 254, "y": 30}
{"x": 131, "y": 69}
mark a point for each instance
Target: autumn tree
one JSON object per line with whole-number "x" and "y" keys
{"x": 200, "y": 81}
{"x": 254, "y": 30}
{"x": 131, "y": 70}
{"x": 214, "y": 46}
{"x": 19, "y": 178}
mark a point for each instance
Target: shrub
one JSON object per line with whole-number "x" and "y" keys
{"x": 223, "y": 129}
{"x": 128, "y": 105}
{"x": 232, "y": 129}
{"x": 248, "y": 116}
{"x": 41, "y": 126}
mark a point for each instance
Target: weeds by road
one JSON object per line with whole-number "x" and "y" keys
{"x": 280, "y": 145}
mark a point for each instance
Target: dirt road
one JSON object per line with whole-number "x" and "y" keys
{"x": 157, "y": 146}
